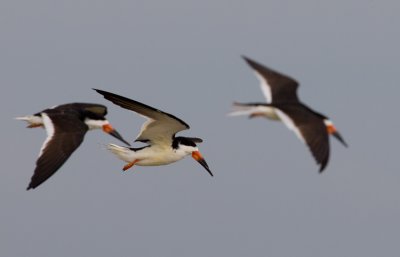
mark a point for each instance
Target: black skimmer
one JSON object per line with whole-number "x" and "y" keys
{"x": 66, "y": 126}
{"x": 283, "y": 104}
{"x": 158, "y": 132}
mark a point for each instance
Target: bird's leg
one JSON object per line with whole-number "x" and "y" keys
{"x": 256, "y": 114}
{"x": 129, "y": 165}
{"x": 35, "y": 125}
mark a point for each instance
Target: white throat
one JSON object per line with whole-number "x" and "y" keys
{"x": 95, "y": 124}
{"x": 184, "y": 150}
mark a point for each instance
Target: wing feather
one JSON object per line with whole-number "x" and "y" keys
{"x": 65, "y": 134}
{"x": 310, "y": 128}
{"x": 276, "y": 87}
{"x": 160, "y": 126}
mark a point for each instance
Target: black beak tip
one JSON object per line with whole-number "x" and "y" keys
{"x": 205, "y": 165}
{"x": 340, "y": 138}
{"x": 118, "y": 136}
{"x": 126, "y": 142}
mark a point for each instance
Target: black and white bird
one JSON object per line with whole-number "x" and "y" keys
{"x": 66, "y": 126}
{"x": 158, "y": 132}
{"x": 282, "y": 104}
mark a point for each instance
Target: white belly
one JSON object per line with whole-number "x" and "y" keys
{"x": 149, "y": 156}
{"x": 270, "y": 113}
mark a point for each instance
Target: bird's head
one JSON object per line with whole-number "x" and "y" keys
{"x": 100, "y": 122}
{"x": 187, "y": 145}
{"x": 333, "y": 131}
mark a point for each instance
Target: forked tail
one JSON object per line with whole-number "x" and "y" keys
{"x": 243, "y": 109}
{"x": 116, "y": 149}
{"x": 122, "y": 152}
{"x": 33, "y": 121}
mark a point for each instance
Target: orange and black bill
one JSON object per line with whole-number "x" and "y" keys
{"x": 339, "y": 137}
{"x": 110, "y": 130}
{"x": 333, "y": 131}
{"x": 197, "y": 156}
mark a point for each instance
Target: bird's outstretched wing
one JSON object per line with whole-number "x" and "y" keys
{"x": 276, "y": 87}
{"x": 160, "y": 126}
{"x": 310, "y": 128}
{"x": 65, "y": 132}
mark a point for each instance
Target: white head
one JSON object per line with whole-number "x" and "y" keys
{"x": 183, "y": 150}
{"x": 331, "y": 129}
{"x": 97, "y": 124}
{"x": 105, "y": 126}
{"x": 187, "y": 145}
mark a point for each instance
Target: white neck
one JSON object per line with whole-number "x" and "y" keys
{"x": 95, "y": 124}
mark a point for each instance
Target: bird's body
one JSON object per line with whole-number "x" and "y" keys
{"x": 158, "y": 132}
{"x": 256, "y": 110}
{"x": 155, "y": 155}
{"x": 283, "y": 104}
{"x": 66, "y": 126}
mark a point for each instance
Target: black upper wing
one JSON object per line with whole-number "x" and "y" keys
{"x": 312, "y": 129}
{"x": 160, "y": 126}
{"x": 277, "y": 87}
{"x": 138, "y": 107}
{"x": 69, "y": 132}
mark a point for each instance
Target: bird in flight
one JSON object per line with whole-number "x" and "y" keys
{"x": 158, "y": 132}
{"x": 283, "y": 104}
{"x": 66, "y": 126}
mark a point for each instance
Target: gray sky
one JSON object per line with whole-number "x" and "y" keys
{"x": 267, "y": 198}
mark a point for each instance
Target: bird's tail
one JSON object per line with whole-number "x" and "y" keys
{"x": 122, "y": 152}
{"x": 116, "y": 149}
{"x": 33, "y": 121}
{"x": 242, "y": 109}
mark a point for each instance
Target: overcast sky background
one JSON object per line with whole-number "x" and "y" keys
{"x": 183, "y": 57}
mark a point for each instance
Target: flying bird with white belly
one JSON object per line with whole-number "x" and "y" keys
{"x": 66, "y": 126}
{"x": 158, "y": 132}
{"x": 283, "y": 104}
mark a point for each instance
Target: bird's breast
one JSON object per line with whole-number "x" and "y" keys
{"x": 157, "y": 156}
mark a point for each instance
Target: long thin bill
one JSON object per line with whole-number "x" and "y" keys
{"x": 110, "y": 130}
{"x": 197, "y": 156}
{"x": 339, "y": 137}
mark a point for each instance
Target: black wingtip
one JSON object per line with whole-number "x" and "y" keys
{"x": 102, "y": 92}
{"x": 248, "y": 60}
{"x": 99, "y": 91}
{"x": 34, "y": 183}
{"x": 322, "y": 167}
{"x": 253, "y": 64}
{"x": 30, "y": 187}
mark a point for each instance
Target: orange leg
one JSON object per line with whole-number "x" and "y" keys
{"x": 35, "y": 125}
{"x": 256, "y": 114}
{"x": 129, "y": 165}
